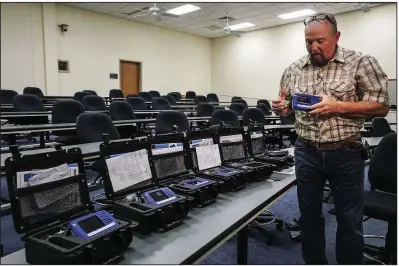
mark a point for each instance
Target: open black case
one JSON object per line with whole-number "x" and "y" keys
{"x": 44, "y": 211}
{"x": 129, "y": 202}
{"x": 255, "y": 136}
{"x": 234, "y": 153}
{"x": 229, "y": 179}
{"x": 171, "y": 169}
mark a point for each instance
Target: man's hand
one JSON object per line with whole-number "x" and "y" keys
{"x": 278, "y": 106}
{"x": 327, "y": 106}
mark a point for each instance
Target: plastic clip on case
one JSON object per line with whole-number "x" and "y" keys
{"x": 229, "y": 178}
{"x": 51, "y": 205}
{"x": 233, "y": 148}
{"x": 171, "y": 168}
{"x": 134, "y": 193}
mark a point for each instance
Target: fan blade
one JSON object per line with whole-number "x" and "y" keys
{"x": 141, "y": 15}
{"x": 134, "y": 12}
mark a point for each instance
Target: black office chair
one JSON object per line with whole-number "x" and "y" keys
{"x": 66, "y": 111}
{"x": 78, "y": 96}
{"x": 235, "y": 98}
{"x": 204, "y": 109}
{"x": 175, "y": 96}
{"x": 172, "y": 100}
{"x": 122, "y": 111}
{"x": 34, "y": 91}
{"x": 381, "y": 201}
{"x": 94, "y": 103}
{"x": 263, "y": 108}
{"x": 212, "y": 97}
{"x": 381, "y": 127}
{"x": 266, "y": 102}
{"x": 244, "y": 102}
{"x": 146, "y": 96}
{"x": 238, "y": 108}
{"x": 133, "y": 96}
{"x": 253, "y": 114}
{"x": 137, "y": 103}
{"x": 289, "y": 120}
{"x": 200, "y": 99}
{"x": 190, "y": 95}
{"x": 7, "y": 96}
{"x": 114, "y": 93}
{"x": 228, "y": 117}
{"x": 155, "y": 94}
{"x": 28, "y": 103}
{"x": 91, "y": 92}
{"x": 178, "y": 93}
{"x": 161, "y": 104}
{"x": 170, "y": 121}
{"x": 393, "y": 106}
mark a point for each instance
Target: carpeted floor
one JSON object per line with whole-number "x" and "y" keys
{"x": 282, "y": 251}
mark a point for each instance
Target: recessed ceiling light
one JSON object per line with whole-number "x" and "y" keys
{"x": 183, "y": 9}
{"x": 300, "y": 13}
{"x": 241, "y": 26}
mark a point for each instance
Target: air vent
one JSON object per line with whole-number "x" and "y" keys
{"x": 63, "y": 66}
{"x": 213, "y": 27}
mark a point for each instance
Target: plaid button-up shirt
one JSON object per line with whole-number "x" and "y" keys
{"x": 350, "y": 77}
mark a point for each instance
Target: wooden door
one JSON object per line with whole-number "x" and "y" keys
{"x": 130, "y": 77}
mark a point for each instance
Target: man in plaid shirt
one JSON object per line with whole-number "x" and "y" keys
{"x": 352, "y": 86}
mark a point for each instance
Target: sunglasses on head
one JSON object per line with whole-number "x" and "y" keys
{"x": 319, "y": 17}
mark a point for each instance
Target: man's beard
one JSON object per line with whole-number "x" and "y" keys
{"x": 321, "y": 63}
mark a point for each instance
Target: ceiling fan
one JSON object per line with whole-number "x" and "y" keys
{"x": 156, "y": 11}
{"x": 227, "y": 29}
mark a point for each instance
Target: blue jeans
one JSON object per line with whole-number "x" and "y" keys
{"x": 344, "y": 170}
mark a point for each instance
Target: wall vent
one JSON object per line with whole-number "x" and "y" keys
{"x": 63, "y": 66}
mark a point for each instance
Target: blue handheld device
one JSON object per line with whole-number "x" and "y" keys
{"x": 195, "y": 182}
{"x": 159, "y": 196}
{"x": 93, "y": 224}
{"x": 302, "y": 102}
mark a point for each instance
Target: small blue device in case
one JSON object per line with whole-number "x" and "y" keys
{"x": 195, "y": 182}
{"x": 93, "y": 224}
{"x": 159, "y": 196}
{"x": 227, "y": 171}
{"x": 302, "y": 102}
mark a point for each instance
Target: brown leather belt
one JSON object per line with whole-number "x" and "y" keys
{"x": 330, "y": 146}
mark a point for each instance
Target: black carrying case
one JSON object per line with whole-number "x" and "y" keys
{"x": 44, "y": 218}
{"x": 257, "y": 149}
{"x": 172, "y": 170}
{"x": 151, "y": 218}
{"x": 234, "y": 154}
{"x": 233, "y": 182}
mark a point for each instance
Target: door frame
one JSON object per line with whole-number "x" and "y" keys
{"x": 140, "y": 72}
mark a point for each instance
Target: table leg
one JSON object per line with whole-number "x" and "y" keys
{"x": 42, "y": 142}
{"x": 242, "y": 246}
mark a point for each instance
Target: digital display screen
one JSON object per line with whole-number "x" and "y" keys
{"x": 200, "y": 142}
{"x": 257, "y": 134}
{"x": 91, "y": 224}
{"x": 163, "y": 148}
{"x": 158, "y": 195}
{"x": 304, "y": 100}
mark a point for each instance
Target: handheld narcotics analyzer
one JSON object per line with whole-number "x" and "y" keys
{"x": 51, "y": 205}
{"x": 303, "y": 102}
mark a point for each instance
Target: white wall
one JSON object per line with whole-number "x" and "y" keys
{"x": 253, "y": 64}
{"x": 94, "y": 43}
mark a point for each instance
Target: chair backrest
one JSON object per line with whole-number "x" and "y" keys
{"x": 94, "y": 103}
{"x": 66, "y": 111}
{"x": 227, "y": 116}
{"x": 190, "y": 95}
{"x": 235, "y": 98}
{"x": 380, "y": 127}
{"x": 121, "y": 111}
{"x": 383, "y": 165}
{"x": 7, "y": 96}
{"x": 137, "y": 103}
{"x": 78, "y": 96}
{"x": 238, "y": 108}
{"x": 167, "y": 119}
{"x": 266, "y": 102}
{"x": 34, "y": 91}
{"x": 133, "y": 96}
{"x": 263, "y": 108}
{"x": 212, "y": 97}
{"x": 178, "y": 93}
{"x": 244, "y": 102}
{"x": 28, "y": 103}
{"x": 205, "y": 109}
{"x": 200, "y": 99}
{"x": 175, "y": 95}
{"x": 160, "y": 104}
{"x": 114, "y": 93}
{"x": 394, "y": 107}
{"x": 253, "y": 114}
{"x": 91, "y": 92}
{"x": 172, "y": 100}
{"x": 146, "y": 95}
{"x": 288, "y": 119}
{"x": 90, "y": 127}
{"x": 155, "y": 94}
